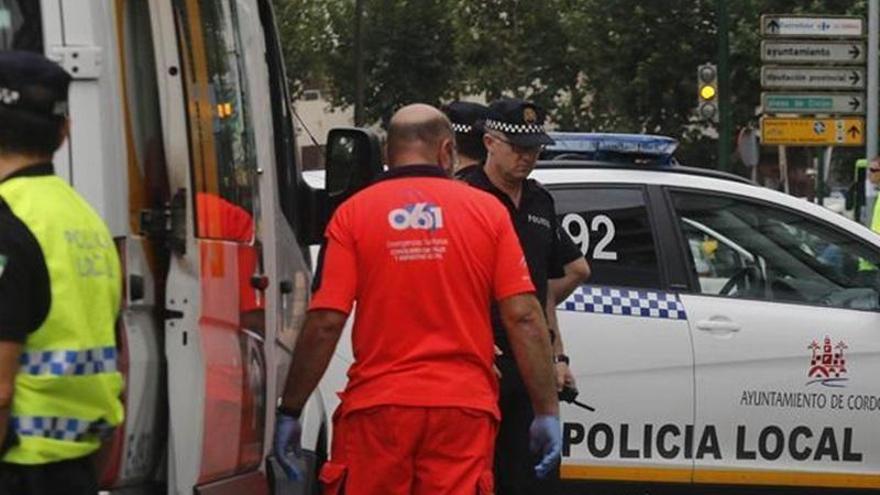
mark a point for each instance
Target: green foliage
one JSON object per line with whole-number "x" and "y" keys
{"x": 596, "y": 65}
{"x": 515, "y": 48}
{"x": 305, "y": 40}
{"x": 408, "y": 54}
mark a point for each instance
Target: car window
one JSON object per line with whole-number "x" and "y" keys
{"x": 745, "y": 249}
{"x": 612, "y": 228}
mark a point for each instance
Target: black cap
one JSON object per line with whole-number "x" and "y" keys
{"x": 32, "y": 83}
{"x": 466, "y": 117}
{"x": 522, "y": 122}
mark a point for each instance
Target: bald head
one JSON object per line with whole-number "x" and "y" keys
{"x": 420, "y": 134}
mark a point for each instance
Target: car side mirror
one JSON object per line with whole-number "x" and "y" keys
{"x": 353, "y": 160}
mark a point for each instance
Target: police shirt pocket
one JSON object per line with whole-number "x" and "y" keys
{"x": 486, "y": 484}
{"x": 333, "y": 478}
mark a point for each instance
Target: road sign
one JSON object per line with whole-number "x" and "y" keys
{"x": 813, "y": 103}
{"x": 818, "y": 52}
{"x": 812, "y": 26}
{"x": 783, "y": 77}
{"x": 812, "y": 132}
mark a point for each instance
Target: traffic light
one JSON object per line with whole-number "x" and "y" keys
{"x": 707, "y": 92}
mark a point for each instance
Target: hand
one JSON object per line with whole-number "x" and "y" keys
{"x": 563, "y": 376}
{"x": 287, "y": 448}
{"x": 545, "y": 439}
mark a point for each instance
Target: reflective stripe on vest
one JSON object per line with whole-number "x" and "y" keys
{"x": 69, "y": 429}
{"x": 59, "y": 363}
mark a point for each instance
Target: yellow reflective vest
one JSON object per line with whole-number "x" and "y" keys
{"x": 875, "y": 220}
{"x": 67, "y": 389}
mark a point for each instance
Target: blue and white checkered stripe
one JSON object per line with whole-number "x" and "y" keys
{"x": 625, "y": 302}
{"x": 69, "y": 429}
{"x": 63, "y": 363}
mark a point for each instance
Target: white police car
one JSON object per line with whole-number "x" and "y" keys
{"x": 729, "y": 334}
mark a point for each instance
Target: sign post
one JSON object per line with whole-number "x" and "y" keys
{"x": 814, "y": 79}
{"x": 871, "y": 150}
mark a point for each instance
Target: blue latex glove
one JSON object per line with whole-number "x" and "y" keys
{"x": 545, "y": 439}
{"x": 287, "y": 448}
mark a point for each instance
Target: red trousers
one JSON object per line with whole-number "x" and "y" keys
{"x": 396, "y": 450}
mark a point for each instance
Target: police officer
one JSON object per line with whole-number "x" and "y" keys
{"x": 514, "y": 135}
{"x": 874, "y": 178}
{"x": 467, "y": 122}
{"x": 423, "y": 256}
{"x": 59, "y": 297}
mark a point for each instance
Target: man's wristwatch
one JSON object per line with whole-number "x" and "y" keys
{"x": 561, "y": 358}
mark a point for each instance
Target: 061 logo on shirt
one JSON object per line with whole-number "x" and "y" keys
{"x": 421, "y": 216}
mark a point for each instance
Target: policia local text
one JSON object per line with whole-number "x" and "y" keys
{"x": 671, "y": 441}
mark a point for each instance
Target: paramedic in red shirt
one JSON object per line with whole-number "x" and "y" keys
{"x": 423, "y": 256}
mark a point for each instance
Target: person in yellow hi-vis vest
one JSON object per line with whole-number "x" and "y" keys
{"x": 874, "y": 176}
{"x": 60, "y": 289}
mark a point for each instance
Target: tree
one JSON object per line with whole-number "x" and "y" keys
{"x": 514, "y": 48}
{"x": 408, "y": 55}
{"x": 305, "y": 40}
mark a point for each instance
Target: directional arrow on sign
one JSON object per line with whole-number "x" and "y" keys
{"x": 853, "y": 132}
{"x": 854, "y": 78}
{"x": 773, "y": 26}
{"x": 854, "y": 52}
{"x": 854, "y": 103}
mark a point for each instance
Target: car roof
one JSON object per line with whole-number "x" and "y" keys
{"x": 686, "y": 177}
{"x": 677, "y": 169}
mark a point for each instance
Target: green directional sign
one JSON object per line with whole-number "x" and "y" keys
{"x": 813, "y": 103}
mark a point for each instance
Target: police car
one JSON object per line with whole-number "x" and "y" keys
{"x": 729, "y": 334}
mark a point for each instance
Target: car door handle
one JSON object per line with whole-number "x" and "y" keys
{"x": 720, "y": 326}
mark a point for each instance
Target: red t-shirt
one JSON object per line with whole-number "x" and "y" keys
{"x": 423, "y": 256}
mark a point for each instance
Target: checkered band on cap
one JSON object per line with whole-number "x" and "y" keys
{"x": 461, "y": 128}
{"x": 625, "y": 302}
{"x": 68, "y": 429}
{"x": 514, "y": 128}
{"x": 63, "y": 362}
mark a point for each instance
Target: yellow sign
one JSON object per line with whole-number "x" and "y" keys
{"x": 812, "y": 132}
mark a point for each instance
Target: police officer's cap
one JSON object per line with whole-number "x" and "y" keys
{"x": 31, "y": 83}
{"x": 521, "y": 122}
{"x": 466, "y": 117}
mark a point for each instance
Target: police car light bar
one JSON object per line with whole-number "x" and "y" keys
{"x": 644, "y": 144}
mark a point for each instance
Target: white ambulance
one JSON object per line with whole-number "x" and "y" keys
{"x": 182, "y": 139}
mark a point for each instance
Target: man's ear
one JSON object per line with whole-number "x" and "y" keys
{"x": 487, "y": 140}
{"x": 65, "y": 131}
{"x": 446, "y": 160}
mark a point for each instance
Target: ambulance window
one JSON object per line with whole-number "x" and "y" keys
{"x": 612, "y": 227}
{"x": 21, "y": 25}
{"x": 744, "y": 249}
{"x": 285, "y": 145}
{"x": 222, "y": 149}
